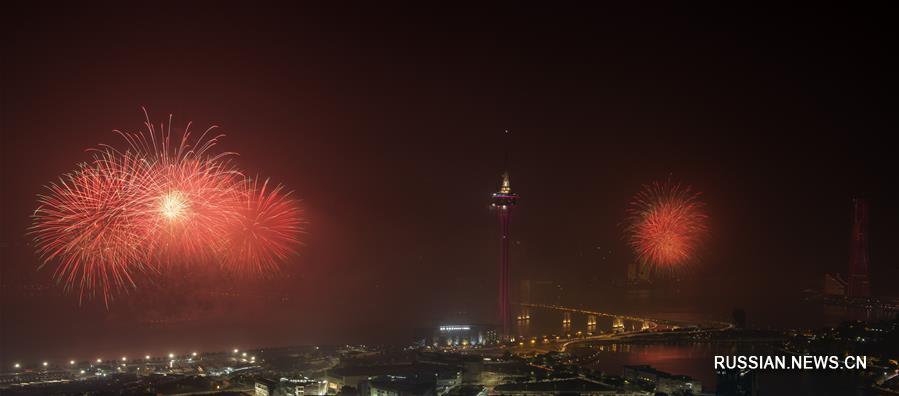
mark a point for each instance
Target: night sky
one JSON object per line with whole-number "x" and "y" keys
{"x": 388, "y": 123}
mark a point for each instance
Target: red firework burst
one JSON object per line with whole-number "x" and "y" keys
{"x": 156, "y": 203}
{"x": 90, "y": 223}
{"x": 666, "y": 225}
{"x": 266, "y": 231}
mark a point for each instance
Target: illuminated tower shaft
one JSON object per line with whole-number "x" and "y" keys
{"x": 858, "y": 250}
{"x": 503, "y": 201}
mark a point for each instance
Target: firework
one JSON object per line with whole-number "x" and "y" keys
{"x": 666, "y": 225}
{"x": 90, "y": 224}
{"x": 155, "y": 203}
{"x": 266, "y": 231}
{"x": 193, "y": 203}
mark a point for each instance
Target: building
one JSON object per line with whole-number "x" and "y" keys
{"x": 472, "y": 366}
{"x": 454, "y": 335}
{"x": 308, "y": 387}
{"x": 441, "y": 377}
{"x": 834, "y": 285}
{"x": 468, "y": 390}
{"x": 572, "y": 386}
{"x": 736, "y": 383}
{"x": 503, "y": 202}
{"x": 35, "y": 376}
{"x": 265, "y": 387}
{"x": 511, "y": 371}
{"x": 390, "y": 385}
{"x": 662, "y": 381}
{"x": 858, "y": 262}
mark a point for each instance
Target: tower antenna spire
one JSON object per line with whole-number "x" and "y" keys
{"x": 507, "y": 136}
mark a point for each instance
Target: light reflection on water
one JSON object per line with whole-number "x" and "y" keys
{"x": 696, "y": 359}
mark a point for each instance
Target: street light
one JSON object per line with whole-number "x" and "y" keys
{"x": 16, "y": 365}
{"x": 124, "y": 359}
{"x": 171, "y": 355}
{"x": 72, "y": 362}
{"x": 99, "y": 360}
{"x": 45, "y": 364}
{"x": 147, "y": 357}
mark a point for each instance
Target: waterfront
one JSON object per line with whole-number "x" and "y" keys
{"x": 695, "y": 358}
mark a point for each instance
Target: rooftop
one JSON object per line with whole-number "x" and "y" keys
{"x": 661, "y": 374}
{"x": 441, "y": 371}
{"x": 402, "y": 385}
{"x": 566, "y": 385}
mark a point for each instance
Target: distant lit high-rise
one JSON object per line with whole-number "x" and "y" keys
{"x": 858, "y": 251}
{"x": 503, "y": 201}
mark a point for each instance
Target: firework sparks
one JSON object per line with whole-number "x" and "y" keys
{"x": 173, "y": 206}
{"x": 266, "y": 231}
{"x": 128, "y": 212}
{"x": 89, "y": 223}
{"x": 666, "y": 225}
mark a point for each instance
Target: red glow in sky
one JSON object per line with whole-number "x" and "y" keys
{"x": 138, "y": 210}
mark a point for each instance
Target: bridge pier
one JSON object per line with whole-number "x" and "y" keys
{"x": 524, "y": 313}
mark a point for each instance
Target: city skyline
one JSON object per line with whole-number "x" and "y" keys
{"x": 391, "y": 129}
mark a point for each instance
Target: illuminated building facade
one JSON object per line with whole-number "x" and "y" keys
{"x": 265, "y": 387}
{"x": 311, "y": 387}
{"x": 462, "y": 335}
{"x": 503, "y": 202}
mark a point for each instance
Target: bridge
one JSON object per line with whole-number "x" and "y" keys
{"x": 650, "y": 326}
{"x": 652, "y": 323}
